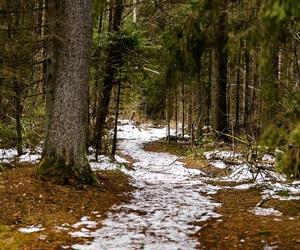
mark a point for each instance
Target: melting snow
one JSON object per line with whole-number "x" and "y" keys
{"x": 222, "y": 155}
{"x": 281, "y": 191}
{"x": 164, "y": 206}
{"x": 219, "y": 164}
{"x": 106, "y": 163}
{"x": 244, "y": 186}
{"x": 265, "y": 211}
{"x": 31, "y": 229}
{"x": 169, "y": 197}
{"x": 269, "y": 158}
{"x": 86, "y": 222}
{"x": 8, "y": 155}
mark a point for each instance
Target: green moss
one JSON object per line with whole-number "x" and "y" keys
{"x": 11, "y": 239}
{"x": 56, "y": 170}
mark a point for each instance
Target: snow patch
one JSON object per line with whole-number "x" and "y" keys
{"x": 222, "y": 155}
{"x": 265, "y": 211}
{"x": 269, "y": 158}
{"x": 9, "y": 155}
{"x": 244, "y": 186}
{"x": 31, "y": 229}
{"x": 85, "y": 221}
{"x": 105, "y": 163}
{"x": 83, "y": 233}
{"x": 219, "y": 164}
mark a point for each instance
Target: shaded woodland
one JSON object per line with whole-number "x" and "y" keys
{"x": 149, "y": 124}
{"x": 230, "y": 67}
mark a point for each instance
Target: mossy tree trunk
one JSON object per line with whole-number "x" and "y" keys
{"x": 64, "y": 158}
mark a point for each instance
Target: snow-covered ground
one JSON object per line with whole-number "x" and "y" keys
{"x": 169, "y": 200}
{"x": 271, "y": 182}
{"x": 166, "y": 203}
{"x": 9, "y": 155}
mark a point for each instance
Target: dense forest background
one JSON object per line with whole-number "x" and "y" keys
{"x": 227, "y": 68}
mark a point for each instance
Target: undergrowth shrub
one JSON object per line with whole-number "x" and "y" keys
{"x": 290, "y": 162}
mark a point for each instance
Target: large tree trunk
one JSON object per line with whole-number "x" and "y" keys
{"x": 64, "y": 155}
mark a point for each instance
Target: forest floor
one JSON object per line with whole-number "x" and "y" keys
{"x": 239, "y": 227}
{"x": 36, "y": 214}
{"x": 158, "y": 196}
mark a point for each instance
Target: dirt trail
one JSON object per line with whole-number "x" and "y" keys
{"x": 168, "y": 201}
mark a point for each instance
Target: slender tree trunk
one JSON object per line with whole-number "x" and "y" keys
{"x": 64, "y": 158}
{"x": 220, "y": 58}
{"x": 238, "y": 85}
{"x": 209, "y": 89}
{"x": 114, "y": 60}
{"x": 270, "y": 87}
{"x": 100, "y": 20}
{"x": 176, "y": 113}
{"x": 183, "y": 108}
{"x": 246, "y": 85}
{"x": 18, "y": 114}
{"x": 254, "y": 81}
{"x": 168, "y": 111}
{"x": 200, "y": 100}
{"x": 134, "y": 12}
{"x": 190, "y": 113}
{"x": 1, "y": 97}
{"x": 296, "y": 61}
{"x": 114, "y": 144}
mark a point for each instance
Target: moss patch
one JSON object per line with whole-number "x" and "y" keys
{"x": 56, "y": 170}
{"x": 12, "y": 239}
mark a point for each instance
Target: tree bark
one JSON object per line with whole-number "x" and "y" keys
{"x": 270, "y": 87}
{"x": 220, "y": 61}
{"x": 209, "y": 88}
{"x": 113, "y": 62}
{"x": 18, "y": 114}
{"x": 237, "y": 100}
{"x": 183, "y": 109}
{"x": 64, "y": 158}
{"x": 246, "y": 95}
{"x": 115, "y": 137}
{"x": 168, "y": 111}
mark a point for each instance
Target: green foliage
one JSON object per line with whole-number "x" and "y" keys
{"x": 129, "y": 39}
{"x": 290, "y": 162}
{"x": 273, "y": 137}
{"x": 279, "y": 11}
{"x": 155, "y": 99}
{"x": 185, "y": 44}
{"x": 97, "y": 6}
{"x": 7, "y": 135}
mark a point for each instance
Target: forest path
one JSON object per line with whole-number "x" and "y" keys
{"x": 166, "y": 205}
